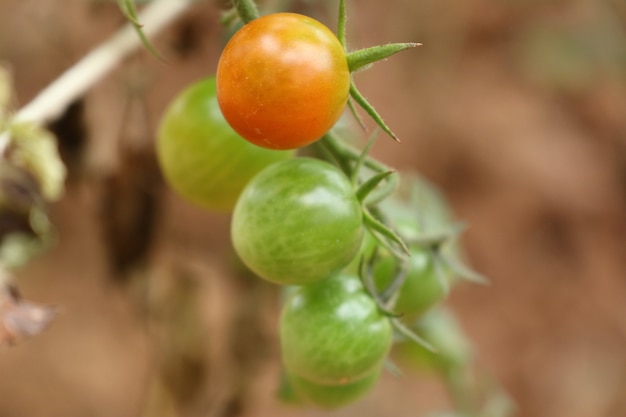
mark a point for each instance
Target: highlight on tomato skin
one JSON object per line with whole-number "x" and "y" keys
{"x": 202, "y": 158}
{"x": 283, "y": 81}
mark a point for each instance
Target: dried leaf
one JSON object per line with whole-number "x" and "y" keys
{"x": 20, "y": 318}
{"x": 35, "y": 149}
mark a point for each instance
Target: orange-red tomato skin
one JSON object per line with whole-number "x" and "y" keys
{"x": 283, "y": 81}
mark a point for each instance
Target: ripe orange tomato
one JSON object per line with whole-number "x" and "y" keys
{"x": 283, "y": 81}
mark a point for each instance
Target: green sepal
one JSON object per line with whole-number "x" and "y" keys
{"x": 362, "y": 58}
{"x": 411, "y": 335}
{"x": 130, "y": 12}
{"x": 463, "y": 271}
{"x": 356, "y": 115}
{"x": 370, "y": 185}
{"x": 379, "y": 229}
{"x": 362, "y": 157}
{"x": 369, "y": 109}
{"x": 341, "y": 26}
{"x": 435, "y": 239}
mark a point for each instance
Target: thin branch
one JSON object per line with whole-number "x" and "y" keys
{"x": 56, "y": 97}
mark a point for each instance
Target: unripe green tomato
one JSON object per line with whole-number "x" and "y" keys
{"x": 297, "y": 222}
{"x": 202, "y": 158}
{"x": 332, "y": 332}
{"x": 332, "y": 396}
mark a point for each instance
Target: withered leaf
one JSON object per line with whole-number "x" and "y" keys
{"x": 20, "y": 318}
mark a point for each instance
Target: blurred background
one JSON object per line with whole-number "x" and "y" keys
{"x": 516, "y": 109}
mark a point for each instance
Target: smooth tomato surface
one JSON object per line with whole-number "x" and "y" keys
{"x": 283, "y": 80}
{"x": 332, "y": 396}
{"x": 201, "y": 156}
{"x": 332, "y": 332}
{"x": 298, "y": 221}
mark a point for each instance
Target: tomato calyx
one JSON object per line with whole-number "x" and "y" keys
{"x": 363, "y": 58}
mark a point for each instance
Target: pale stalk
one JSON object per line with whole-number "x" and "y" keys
{"x": 52, "y": 101}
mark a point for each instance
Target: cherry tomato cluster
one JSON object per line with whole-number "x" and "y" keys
{"x": 282, "y": 82}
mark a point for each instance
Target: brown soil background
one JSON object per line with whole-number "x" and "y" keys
{"x": 525, "y": 134}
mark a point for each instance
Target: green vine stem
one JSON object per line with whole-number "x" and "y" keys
{"x": 341, "y": 26}
{"x": 364, "y": 154}
{"x": 356, "y": 115}
{"x": 246, "y": 9}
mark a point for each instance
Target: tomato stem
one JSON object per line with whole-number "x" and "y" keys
{"x": 341, "y": 150}
{"x": 246, "y": 9}
{"x": 229, "y": 17}
{"x": 364, "y": 154}
{"x": 341, "y": 25}
{"x": 430, "y": 240}
{"x": 345, "y": 154}
{"x": 367, "y": 278}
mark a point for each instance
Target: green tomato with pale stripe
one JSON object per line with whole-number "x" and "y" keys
{"x": 333, "y": 333}
{"x": 202, "y": 158}
{"x": 297, "y": 222}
